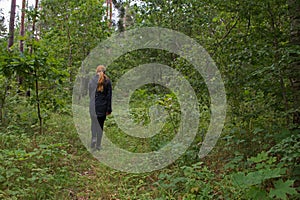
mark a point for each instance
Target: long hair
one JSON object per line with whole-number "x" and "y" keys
{"x": 102, "y": 77}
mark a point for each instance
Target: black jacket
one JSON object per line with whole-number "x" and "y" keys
{"x": 100, "y": 102}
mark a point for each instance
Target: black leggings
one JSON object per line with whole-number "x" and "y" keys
{"x": 97, "y": 131}
{"x": 101, "y": 121}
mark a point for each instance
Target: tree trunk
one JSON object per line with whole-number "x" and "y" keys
{"x": 36, "y": 74}
{"x": 35, "y": 12}
{"x": 294, "y": 8}
{"x": 109, "y": 12}
{"x": 22, "y": 33}
{"x": 38, "y": 104}
{"x": 107, "y": 9}
{"x": 12, "y": 24}
{"x": 34, "y": 20}
{"x": 2, "y": 101}
{"x": 22, "y": 28}
{"x": 119, "y": 5}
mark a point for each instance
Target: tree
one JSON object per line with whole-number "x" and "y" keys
{"x": 22, "y": 26}
{"x": 120, "y": 6}
{"x": 34, "y": 20}
{"x": 36, "y": 70}
{"x": 126, "y": 14}
{"x": 109, "y": 12}
{"x": 73, "y": 28}
{"x": 2, "y": 25}
{"x": 12, "y": 24}
{"x": 294, "y": 8}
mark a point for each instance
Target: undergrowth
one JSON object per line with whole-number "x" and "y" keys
{"x": 56, "y": 165}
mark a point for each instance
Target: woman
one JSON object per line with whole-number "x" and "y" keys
{"x": 100, "y": 92}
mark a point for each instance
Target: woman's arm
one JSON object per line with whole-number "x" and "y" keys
{"x": 109, "y": 97}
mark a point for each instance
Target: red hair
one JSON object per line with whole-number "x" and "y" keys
{"x": 102, "y": 77}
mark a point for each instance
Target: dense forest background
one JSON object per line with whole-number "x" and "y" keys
{"x": 256, "y": 46}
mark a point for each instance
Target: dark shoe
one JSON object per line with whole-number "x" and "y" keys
{"x": 98, "y": 148}
{"x": 93, "y": 145}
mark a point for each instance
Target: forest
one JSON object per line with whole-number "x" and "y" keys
{"x": 255, "y": 47}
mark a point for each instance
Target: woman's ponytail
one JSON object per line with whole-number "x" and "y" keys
{"x": 101, "y": 72}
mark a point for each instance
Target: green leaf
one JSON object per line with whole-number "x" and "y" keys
{"x": 257, "y": 193}
{"x": 12, "y": 172}
{"x": 2, "y": 178}
{"x": 282, "y": 189}
{"x": 256, "y": 177}
{"x": 215, "y": 19}
{"x": 259, "y": 158}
